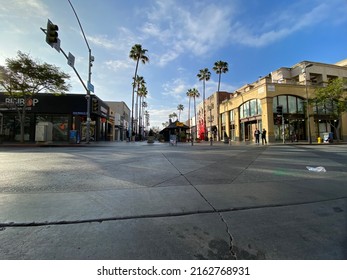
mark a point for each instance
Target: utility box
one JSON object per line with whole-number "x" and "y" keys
{"x": 44, "y": 132}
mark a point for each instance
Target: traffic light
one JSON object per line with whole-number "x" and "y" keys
{"x": 95, "y": 105}
{"x": 51, "y": 33}
{"x": 279, "y": 110}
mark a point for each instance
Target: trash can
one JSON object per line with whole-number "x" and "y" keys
{"x": 73, "y": 137}
{"x": 328, "y": 137}
{"x": 319, "y": 140}
{"x": 331, "y": 137}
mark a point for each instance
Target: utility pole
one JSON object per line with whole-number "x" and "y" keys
{"x": 90, "y": 87}
{"x": 309, "y": 139}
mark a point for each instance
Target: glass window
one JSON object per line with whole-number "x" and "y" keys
{"x": 274, "y": 104}
{"x": 223, "y": 118}
{"x": 246, "y": 110}
{"x": 301, "y": 103}
{"x": 253, "y": 107}
{"x": 282, "y": 100}
{"x": 231, "y": 116}
{"x": 250, "y": 108}
{"x": 259, "y": 107}
{"x": 292, "y": 105}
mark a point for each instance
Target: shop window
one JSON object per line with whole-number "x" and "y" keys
{"x": 250, "y": 108}
{"x": 231, "y": 115}
{"x": 291, "y": 104}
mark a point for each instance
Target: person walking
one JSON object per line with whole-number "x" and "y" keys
{"x": 263, "y": 136}
{"x": 257, "y": 135}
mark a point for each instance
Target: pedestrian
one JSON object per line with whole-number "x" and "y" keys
{"x": 263, "y": 137}
{"x": 257, "y": 135}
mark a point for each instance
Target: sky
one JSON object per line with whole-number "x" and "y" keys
{"x": 254, "y": 37}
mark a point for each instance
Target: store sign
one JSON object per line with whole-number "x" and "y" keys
{"x": 31, "y": 102}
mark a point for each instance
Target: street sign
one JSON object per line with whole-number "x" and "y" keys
{"x": 57, "y": 45}
{"x": 90, "y": 87}
{"x": 71, "y": 60}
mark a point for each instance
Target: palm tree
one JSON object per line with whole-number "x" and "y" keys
{"x": 180, "y": 108}
{"x": 139, "y": 82}
{"x": 174, "y": 115}
{"x": 193, "y": 93}
{"x": 137, "y": 53}
{"x": 219, "y": 67}
{"x": 204, "y": 75}
{"x": 142, "y": 93}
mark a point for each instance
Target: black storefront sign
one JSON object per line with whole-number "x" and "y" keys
{"x": 65, "y": 111}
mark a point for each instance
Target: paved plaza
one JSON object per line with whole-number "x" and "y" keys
{"x": 156, "y": 201}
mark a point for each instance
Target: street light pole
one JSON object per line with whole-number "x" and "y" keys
{"x": 307, "y": 105}
{"x": 90, "y": 60}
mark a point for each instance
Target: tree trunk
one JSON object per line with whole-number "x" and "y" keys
{"x": 132, "y": 102}
{"x": 22, "y": 124}
{"x": 190, "y": 126}
{"x": 196, "y": 124}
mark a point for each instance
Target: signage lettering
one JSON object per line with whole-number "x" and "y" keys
{"x": 31, "y": 102}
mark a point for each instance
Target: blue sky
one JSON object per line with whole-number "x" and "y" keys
{"x": 255, "y": 37}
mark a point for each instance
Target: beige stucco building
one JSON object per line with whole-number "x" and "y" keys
{"x": 255, "y": 105}
{"x": 119, "y": 120}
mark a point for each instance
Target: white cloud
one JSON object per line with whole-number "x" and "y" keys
{"x": 175, "y": 88}
{"x": 116, "y": 65}
{"x": 181, "y": 29}
{"x": 102, "y": 41}
{"x": 23, "y": 8}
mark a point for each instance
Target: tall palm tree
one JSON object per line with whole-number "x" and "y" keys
{"x": 137, "y": 53}
{"x": 180, "y": 108}
{"x": 139, "y": 82}
{"x": 204, "y": 75}
{"x": 193, "y": 93}
{"x": 189, "y": 97}
{"x": 142, "y": 93}
{"x": 219, "y": 67}
{"x": 144, "y": 106}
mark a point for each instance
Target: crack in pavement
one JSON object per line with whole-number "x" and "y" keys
{"x": 162, "y": 215}
{"x": 214, "y": 210}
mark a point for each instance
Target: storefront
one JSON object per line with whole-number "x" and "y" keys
{"x": 62, "y": 113}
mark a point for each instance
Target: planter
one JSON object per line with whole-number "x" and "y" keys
{"x": 150, "y": 139}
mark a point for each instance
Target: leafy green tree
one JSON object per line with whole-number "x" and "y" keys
{"x": 137, "y": 53}
{"x": 22, "y": 77}
{"x": 204, "y": 75}
{"x": 333, "y": 99}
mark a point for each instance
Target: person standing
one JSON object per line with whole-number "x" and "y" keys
{"x": 257, "y": 135}
{"x": 263, "y": 136}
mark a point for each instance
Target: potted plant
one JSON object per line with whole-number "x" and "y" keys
{"x": 150, "y": 138}
{"x": 226, "y": 139}
{"x": 183, "y": 137}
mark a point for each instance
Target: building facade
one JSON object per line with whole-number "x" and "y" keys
{"x": 255, "y": 105}
{"x": 61, "y": 114}
{"x": 119, "y": 120}
{"x": 212, "y": 114}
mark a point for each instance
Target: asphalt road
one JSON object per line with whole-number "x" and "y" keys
{"x": 156, "y": 201}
